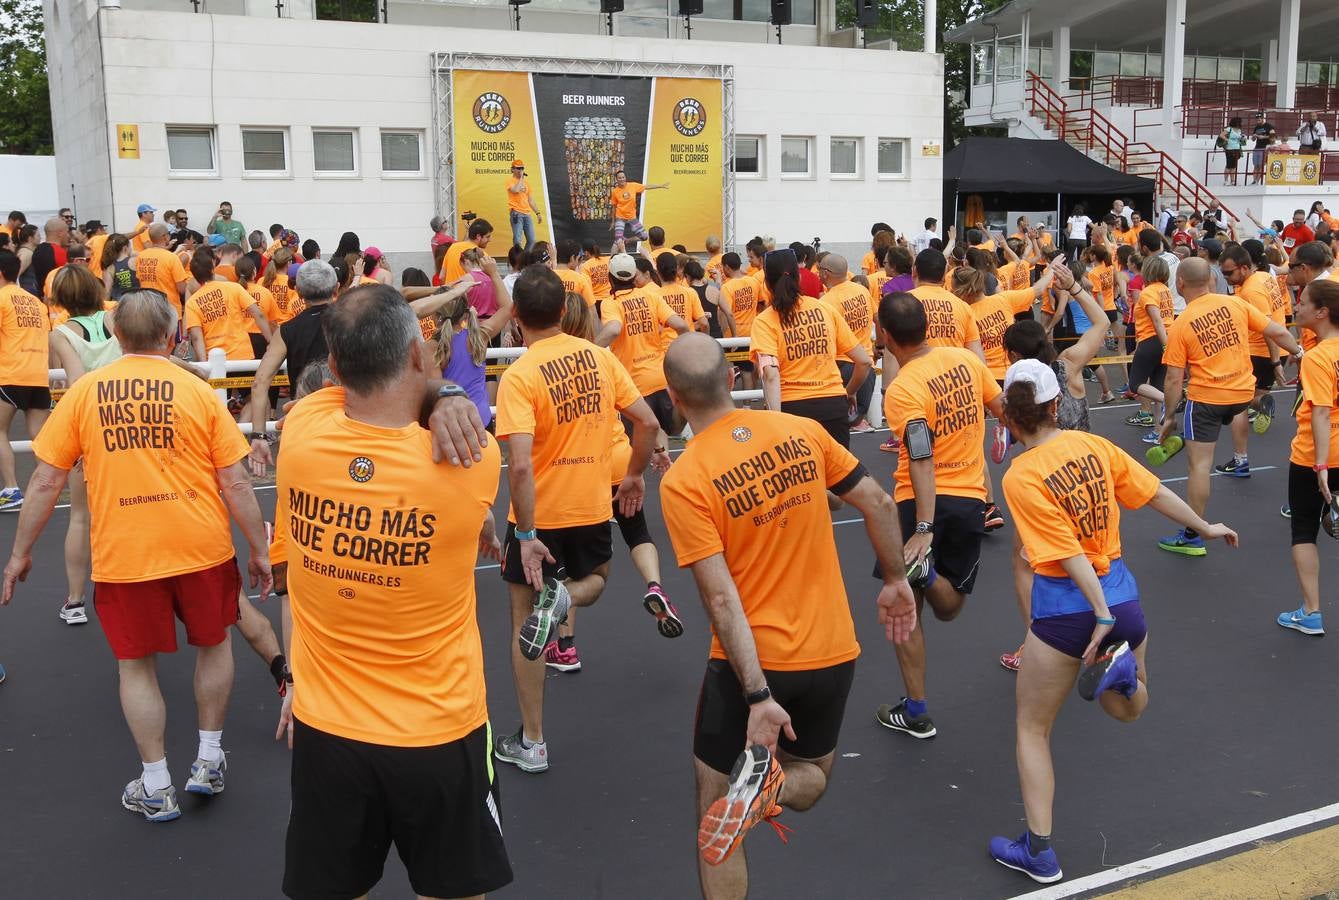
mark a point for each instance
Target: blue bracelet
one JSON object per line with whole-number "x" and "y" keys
{"x": 1102, "y": 621}
{"x": 533, "y": 534}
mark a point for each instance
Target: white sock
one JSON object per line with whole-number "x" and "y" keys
{"x": 211, "y": 749}
{"x": 155, "y": 776}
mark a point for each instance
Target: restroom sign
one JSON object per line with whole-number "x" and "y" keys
{"x": 127, "y": 141}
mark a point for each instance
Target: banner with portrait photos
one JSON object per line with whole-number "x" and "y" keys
{"x": 574, "y": 133}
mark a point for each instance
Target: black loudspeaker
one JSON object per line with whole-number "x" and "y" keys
{"x": 611, "y": 6}
{"x": 780, "y": 12}
{"x": 866, "y": 13}
{"x": 690, "y": 7}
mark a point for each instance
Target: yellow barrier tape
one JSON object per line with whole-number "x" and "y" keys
{"x": 245, "y": 381}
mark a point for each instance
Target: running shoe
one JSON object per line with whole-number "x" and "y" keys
{"x": 918, "y": 573}
{"x": 1000, "y": 440}
{"x": 1016, "y": 855}
{"x": 658, "y": 604}
{"x": 862, "y": 427}
{"x": 160, "y": 806}
{"x": 755, "y": 788}
{"x": 509, "y": 748}
{"x": 207, "y": 777}
{"x": 994, "y": 518}
{"x": 1234, "y": 469}
{"x": 1301, "y": 620}
{"x": 11, "y": 500}
{"x": 1109, "y": 344}
{"x": 1090, "y": 375}
{"x": 560, "y": 658}
{"x": 551, "y": 605}
{"x": 1141, "y": 419}
{"x": 74, "y": 613}
{"x": 892, "y": 445}
{"x": 2, "y": 674}
{"x": 1151, "y": 437}
{"x": 1114, "y": 669}
{"x": 1186, "y": 546}
{"x": 1286, "y": 511}
{"x": 1012, "y": 661}
{"x": 1265, "y": 417}
{"x": 898, "y": 719}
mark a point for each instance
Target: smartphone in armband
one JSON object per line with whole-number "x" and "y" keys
{"x": 918, "y": 439}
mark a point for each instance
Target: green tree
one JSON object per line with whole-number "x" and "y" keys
{"x": 25, "y": 127}
{"x": 904, "y": 22}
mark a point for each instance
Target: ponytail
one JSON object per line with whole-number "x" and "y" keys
{"x": 781, "y": 273}
{"x": 246, "y": 271}
{"x": 446, "y": 319}
{"x": 968, "y": 284}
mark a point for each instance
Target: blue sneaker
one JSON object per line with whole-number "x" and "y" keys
{"x": 1151, "y": 437}
{"x": 1043, "y": 867}
{"x": 11, "y": 500}
{"x": 1234, "y": 469}
{"x": 1186, "y": 546}
{"x": 1114, "y": 669}
{"x": 1297, "y": 620}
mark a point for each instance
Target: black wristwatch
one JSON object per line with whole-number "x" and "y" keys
{"x": 925, "y": 527}
{"x": 758, "y": 696}
{"x": 452, "y": 390}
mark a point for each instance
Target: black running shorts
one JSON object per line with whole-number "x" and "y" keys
{"x": 960, "y": 524}
{"x": 1146, "y": 367}
{"x": 576, "y": 551}
{"x": 1203, "y": 422}
{"x": 634, "y": 529}
{"x": 351, "y": 801}
{"x": 814, "y": 698}
{"x": 23, "y": 397}
{"x": 1306, "y": 502}
{"x": 1263, "y": 368}
{"x": 830, "y": 412}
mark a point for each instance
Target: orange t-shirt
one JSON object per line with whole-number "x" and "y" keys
{"x": 877, "y": 280}
{"x": 24, "y": 326}
{"x": 227, "y": 273}
{"x": 220, "y": 310}
{"x": 1154, "y": 300}
{"x": 268, "y": 308}
{"x": 994, "y": 315}
{"x": 869, "y": 263}
{"x": 714, "y": 270}
{"x": 140, "y": 242}
{"x": 577, "y": 283}
{"x": 518, "y": 201}
{"x": 948, "y": 388}
{"x": 95, "y": 245}
{"x": 1014, "y": 276}
{"x": 858, "y": 309}
{"x": 949, "y": 321}
{"x": 1319, "y": 386}
{"x": 640, "y": 347}
{"x": 161, "y": 270}
{"x": 1102, "y": 280}
{"x": 1261, "y": 290}
{"x": 740, "y": 296}
{"x": 151, "y": 437}
{"x": 751, "y": 487}
{"x": 451, "y": 266}
{"x": 1211, "y": 337}
{"x": 286, "y": 298}
{"x": 566, "y": 392}
{"x": 381, "y": 544}
{"x": 760, "y": 287}
{"x": 806, "y": 348}
{"x": 596, "y": 271}
{"x": 624, "y": 200}
{"x": 1066, "y": 496}
{"x": 687, "y": 305}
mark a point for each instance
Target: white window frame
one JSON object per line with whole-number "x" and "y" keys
{"x": 809, "y": 173}
{"x": 355, "y": 172}
{"x": 213, "y": 152}
{"x": 906, "y": 160}
{"x": 859, "y": 173}
{"x": 418, "y": 134}
{"x": 761, "y": 174}
{"x": 286, "y": 172}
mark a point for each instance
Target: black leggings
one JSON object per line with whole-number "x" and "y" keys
{"x": 634, "y": 529}
{"x": 1146, "y": 367}
{"x": 1306, "y": 502}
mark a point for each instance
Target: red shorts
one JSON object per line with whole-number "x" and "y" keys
{"x": 139, "y": 617}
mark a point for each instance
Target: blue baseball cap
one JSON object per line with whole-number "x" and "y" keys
{"x": 217, "y": 240}
{"x": 143, "y": 208}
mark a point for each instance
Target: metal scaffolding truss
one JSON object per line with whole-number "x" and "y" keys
{"x": 443, "y": 63}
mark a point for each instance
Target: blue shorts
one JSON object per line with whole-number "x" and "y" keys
{"x": 1063, "y": 619}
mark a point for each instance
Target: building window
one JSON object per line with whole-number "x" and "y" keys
{"x": 400, "y": 153}
{"x": 845, "y": 153}
{"x": 190, "y": 151}
{"x": 264, "y": 151}
{"x": 749, "y": 156}
{"x": 335, "y": 152}
{"x": 797, "y": 157}
{"x": 892, "y": 158}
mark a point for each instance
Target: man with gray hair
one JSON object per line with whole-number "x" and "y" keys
{"x": 388, "y": 715}
{"x": 164, "y": 470}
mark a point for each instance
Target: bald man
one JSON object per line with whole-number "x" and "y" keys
{"x": 779, "y": 691}
{"x": 161, "y": 269}
{"x": 854, "y": 303}
{"x": 1211, "y": 339}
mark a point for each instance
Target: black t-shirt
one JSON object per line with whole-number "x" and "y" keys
{"x": 43, "y": 261}
{"x": 713, "y": 314}
{"x": 1262, "y": 133}
{"x": 304, "y": 338}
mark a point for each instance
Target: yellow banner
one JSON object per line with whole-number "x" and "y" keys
{"x": 494, "y": 121}
{"x": 685, "y": 151}
{"x": 1292, "y": 168}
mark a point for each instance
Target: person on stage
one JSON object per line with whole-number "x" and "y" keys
{"x": 521, "y": 208}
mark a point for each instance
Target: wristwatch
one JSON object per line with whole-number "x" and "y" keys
{"x": 452, "y": 390}
{"x": 758, "y": 696}
{"x": 925, "y": 527}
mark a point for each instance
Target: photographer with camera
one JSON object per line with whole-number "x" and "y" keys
{"x": 222, "y": 222}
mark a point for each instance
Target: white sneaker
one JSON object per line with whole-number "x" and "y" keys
{"x": 206, "y": 777}
{"x": 73, "y": 614}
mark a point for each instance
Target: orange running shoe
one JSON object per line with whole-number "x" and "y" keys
{"x": 755, "y": 786}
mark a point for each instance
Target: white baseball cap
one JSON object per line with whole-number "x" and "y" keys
{"x": 623, "y": 267}
{"x": 1045, "y": 386}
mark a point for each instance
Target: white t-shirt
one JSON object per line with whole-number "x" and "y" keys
{"x": 922, "y": 240}
{"x": 1172, "y": 261}
{"x": 1078, "y": 227}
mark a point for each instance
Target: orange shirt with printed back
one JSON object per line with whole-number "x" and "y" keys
{"x": 806, "y": 348}
{"x": 752, "y": 487}
{"x": 380, "y": 544}
{"x": 876, "y": 281}
{"x": 949, "y": 321}
{"x": 740, "y": 296}
{"x": 714, "y": 270}
{"x": 948, "y": 388}
{"x": 687, "y": 305}
{"x": 286, "y": 298}
{"x": 1014, "y": 276}
{"x": 220, "y": 310}
{"x": 1211, "y": 338}
{"x": 858, "y": 309}
{"x": 1319, "y": 386}
{"x": 151, "y": 437}
{"x": 1261, "y": 290}
{"x": 268, "y": 308}
{"x": 1102, "y": 280}
{"x": 869, "y": 263}
{"x": 640, "y": 347}
{"x": 576, "y": 283}
{"x": 518, "y": 201}
{"x": 1154, "y": 300}
{"x": 624, "y": 200}
{"x": 24, "y": 326}
{"x": 597, "y": 271}
{"x": 1066, "y": 496}
{"x": 994, "y": 315}
{"x": 161, "y": 270}
{"x": 451, "y": 266}
{"x": 566, "y": 392}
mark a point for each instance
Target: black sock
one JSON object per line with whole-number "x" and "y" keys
{"x": 278, "y": 666}
{"x": 1036, "y": 843}
{"x": 565, "y": 643}
{"x": 1192, "y": 533}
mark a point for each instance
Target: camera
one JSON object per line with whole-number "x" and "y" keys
{"x": 468, "y": 216}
